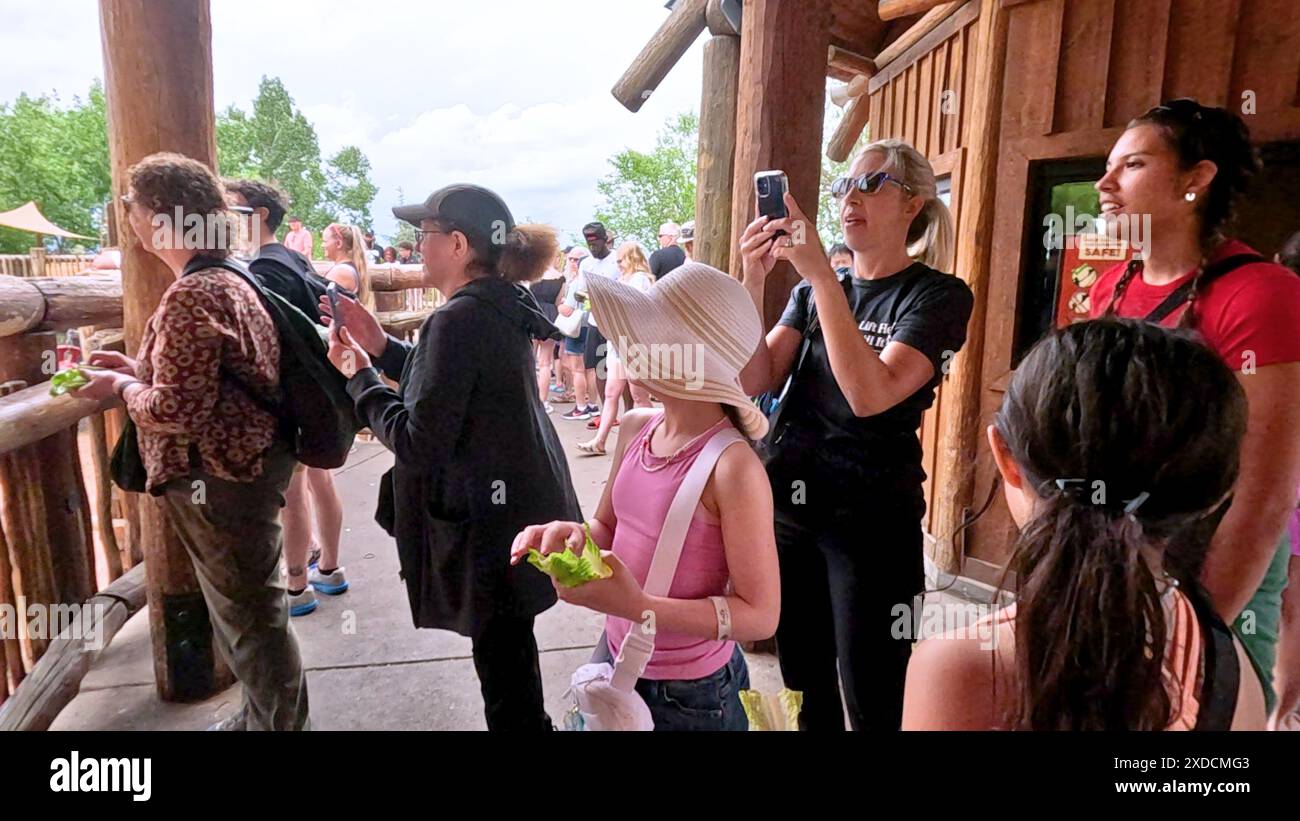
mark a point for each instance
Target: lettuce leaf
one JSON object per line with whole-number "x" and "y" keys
{"x": 66, "y": 381}
{"x": 571, "y": 569}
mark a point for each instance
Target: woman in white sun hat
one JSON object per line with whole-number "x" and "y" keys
{"x": 685, "y": 340}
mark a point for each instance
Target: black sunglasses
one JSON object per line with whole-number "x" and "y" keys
{"x": 867, "y": 184}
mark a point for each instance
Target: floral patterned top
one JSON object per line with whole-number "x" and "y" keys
{"x": 208, "y": 343}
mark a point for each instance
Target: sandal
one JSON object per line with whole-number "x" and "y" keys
{"x": 592, "y": 448}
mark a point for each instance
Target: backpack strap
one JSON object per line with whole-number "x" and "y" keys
{"x": 1222, "y": 679}
{"x": 1210, "y": 273}
{"x": 639, "y": 645}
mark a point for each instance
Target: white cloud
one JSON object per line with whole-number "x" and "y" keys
{"x": 512, "y": 94}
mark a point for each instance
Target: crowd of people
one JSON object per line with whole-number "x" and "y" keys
{"x": 1149, "y": 456}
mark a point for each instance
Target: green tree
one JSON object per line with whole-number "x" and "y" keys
{"x": 646, "y": 190}
{"x": 57, "y": 156}
{"x": 277, "y": 143}
{"x": 348, "y": 186}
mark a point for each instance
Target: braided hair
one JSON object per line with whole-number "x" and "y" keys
{"x": 1196, "y": 133}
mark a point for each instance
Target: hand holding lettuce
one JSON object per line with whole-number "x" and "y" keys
{"x": 573, "y": 569}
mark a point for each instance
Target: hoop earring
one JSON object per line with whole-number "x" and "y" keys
{"x": 1190, "y": 196}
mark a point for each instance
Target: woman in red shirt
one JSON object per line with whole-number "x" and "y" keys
{"x": 1182, "y": 165}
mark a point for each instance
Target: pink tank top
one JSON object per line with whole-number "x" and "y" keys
{"x": 641, "y": 498}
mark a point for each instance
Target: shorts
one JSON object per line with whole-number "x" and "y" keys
{"x": 575, "y": 345}
{"x": 594, "y": 353}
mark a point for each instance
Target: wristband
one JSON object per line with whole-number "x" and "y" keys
{"x": 723, "y": 611}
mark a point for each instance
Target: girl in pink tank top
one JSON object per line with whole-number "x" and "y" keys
{"x": 726, "y": 586}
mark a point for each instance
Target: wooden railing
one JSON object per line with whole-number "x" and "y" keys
{"x": 40, "y": 264}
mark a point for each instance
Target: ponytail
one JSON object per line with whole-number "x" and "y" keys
{"x": 1090, "y": 628}
{"x": 527, "y": 253}
{"x": 931, "y": 238}
{"x": 354, "y": 243}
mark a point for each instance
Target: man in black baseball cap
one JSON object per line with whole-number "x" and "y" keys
{"x": 471, "y": 209}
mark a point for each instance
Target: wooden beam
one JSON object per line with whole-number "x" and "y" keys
{"x": 683, "y": 26}
{"x": 959, "y": 433}
{"x": 919, "y": 29}
{"x": 56, "y": 679}
{"x": 849, "y": 129}
{"x": 779, "y": 117}
{"x": 161, "y": 51}
{"x": 963, "y": 16}
{"x": 850, "y": 62}
{"x": 894, "y": 9}
{"x": 716, "y": 18}
{"x": 716, "y": 166}
{"x": 396, "y": 278}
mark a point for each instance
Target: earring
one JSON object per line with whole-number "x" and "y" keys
{"x": 1190, "y": 196}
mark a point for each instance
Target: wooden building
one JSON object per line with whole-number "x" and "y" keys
{"x": 1016, "y": 103}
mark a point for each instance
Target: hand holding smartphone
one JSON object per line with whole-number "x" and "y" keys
{"x": 771, "y": 187}
{"x": 332, "y": 291}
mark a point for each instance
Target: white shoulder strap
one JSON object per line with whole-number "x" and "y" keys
{"x": 639, "y": 645}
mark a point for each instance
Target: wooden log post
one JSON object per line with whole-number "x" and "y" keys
{"x": 958, "y": 438}
{"x": 716, "y": 168}
{"x": 39, "y": 257}
{"x": 783, "y": 52}
{"x": 115, "y": 556}
{"x": 161, "y": 52}
{"x": 683, "y": 26}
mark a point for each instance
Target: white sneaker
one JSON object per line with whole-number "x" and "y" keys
{"x": 300, "y": 604}
{"x": 331, "y": 584}
{"x": 549, "y": 407}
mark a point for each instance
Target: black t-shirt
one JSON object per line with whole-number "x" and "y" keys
{"x": 665, "y": 260}
{"x": 919, "y": 307}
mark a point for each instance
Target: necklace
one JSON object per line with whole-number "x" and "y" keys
{"x": 644, "y": 450}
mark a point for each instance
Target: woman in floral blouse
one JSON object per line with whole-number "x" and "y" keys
{"x": 208, "y": 365}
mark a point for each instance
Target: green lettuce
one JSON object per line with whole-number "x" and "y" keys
{"x": 571, "y": 569}
{"x": 65, "y": 381}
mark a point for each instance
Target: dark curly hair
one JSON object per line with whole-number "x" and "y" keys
{"x": 175, "y": 185}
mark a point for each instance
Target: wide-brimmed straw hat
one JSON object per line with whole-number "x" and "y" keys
{"x": 688, "y": 337}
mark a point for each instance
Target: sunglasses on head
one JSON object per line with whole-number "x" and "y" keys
{"x": 867, "y": 184}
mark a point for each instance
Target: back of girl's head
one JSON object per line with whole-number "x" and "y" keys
{"x": 931, "y": 237}
{"x": 1142, "y": 427}
{"x": 1196, "y": 132}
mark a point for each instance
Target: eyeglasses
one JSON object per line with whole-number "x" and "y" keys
{"x": 867, "y": 184}
{"x": 127, "y": 199}
{"x": 421, "y": 233}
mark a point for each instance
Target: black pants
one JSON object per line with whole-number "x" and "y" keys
{"x": 841, "y": 583}
{"x": 510, "y": 676}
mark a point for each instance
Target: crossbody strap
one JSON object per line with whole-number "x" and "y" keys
{"x": 1212, "y": 272}
{"x": 639, "y": 645}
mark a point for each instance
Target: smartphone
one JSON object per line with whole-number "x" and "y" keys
{"x": 332, "y": 291}
{"x": 771, "y": 187}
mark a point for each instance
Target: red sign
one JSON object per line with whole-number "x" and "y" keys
{"x": 1081, "y": 263}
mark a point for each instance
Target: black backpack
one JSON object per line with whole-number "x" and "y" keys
{"x": 317, "y": 417}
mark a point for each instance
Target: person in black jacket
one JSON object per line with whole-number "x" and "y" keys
{"x": 477, "y": 458}
{"x": 282, "y": 270}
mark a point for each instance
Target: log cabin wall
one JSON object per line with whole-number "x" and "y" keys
{"x": 1076, "y": 72}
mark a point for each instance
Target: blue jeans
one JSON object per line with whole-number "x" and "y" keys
{"x": 709, "y": 703}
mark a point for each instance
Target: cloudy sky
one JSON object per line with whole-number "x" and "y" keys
{"x": 512, "y": 94}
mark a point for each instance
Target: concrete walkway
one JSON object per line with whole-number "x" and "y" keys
{"x": 367, "y": 667}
